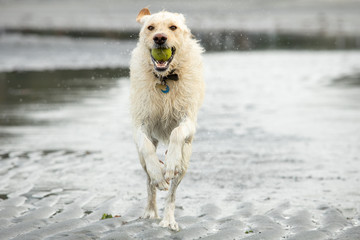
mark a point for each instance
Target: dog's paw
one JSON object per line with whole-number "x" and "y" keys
{"x": 157, "y": 177}
{"x": 172, "y": 164}
{"x": 162, "y": 185}
{"x": 171, "y": 224}
{"x": 172, "y": 170}
{"x": 151, "y": 214}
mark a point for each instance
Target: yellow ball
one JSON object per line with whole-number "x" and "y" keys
{"x": 161, "y": 54}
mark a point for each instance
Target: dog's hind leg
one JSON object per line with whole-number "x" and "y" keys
{"x": 169, "y": 217}
{"x": 151, "y": 208}
{"x": 169, "y": 212}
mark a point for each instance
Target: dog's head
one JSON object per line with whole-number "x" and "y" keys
{"x": 163, "y": 33}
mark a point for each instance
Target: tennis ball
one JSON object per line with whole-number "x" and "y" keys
{"x": 161, "y": 54}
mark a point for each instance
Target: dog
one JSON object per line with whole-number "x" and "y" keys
{"x": 165, "y": 97}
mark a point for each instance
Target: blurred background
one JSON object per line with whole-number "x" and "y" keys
{"x": 55, "y": 52}
{"x": 280, "y": 121}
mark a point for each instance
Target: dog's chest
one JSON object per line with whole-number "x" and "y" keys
{"x": 160, "y": 112}
{"x": 164, "y": 113}
{"x": 166, "y": 106}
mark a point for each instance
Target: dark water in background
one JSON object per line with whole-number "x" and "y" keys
{"x": 226, "y": 40}
{"x": 48, "y": 86}
{"x": 31, "y": 102}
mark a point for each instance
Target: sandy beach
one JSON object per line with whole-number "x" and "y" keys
{"x": 275, "y": 156}
{"x": 277, "y": 149}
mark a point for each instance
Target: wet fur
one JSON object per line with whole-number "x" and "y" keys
{"x": 169, "y": 118}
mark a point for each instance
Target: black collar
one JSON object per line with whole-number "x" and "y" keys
{"x": 171, "y": 76}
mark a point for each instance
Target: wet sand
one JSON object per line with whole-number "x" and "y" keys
{"x": 275, "y": 156}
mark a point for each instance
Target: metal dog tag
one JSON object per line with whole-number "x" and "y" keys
{"x": 163, "y": 88}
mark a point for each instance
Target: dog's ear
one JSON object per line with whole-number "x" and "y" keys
{"x": 181, "y": 17}
{"x": 143, "y": 12}
{"x": 184, "y": 27}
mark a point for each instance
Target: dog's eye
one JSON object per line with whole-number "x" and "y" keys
{"x": 150, "y": 28}
{"x": 173, "y": 28}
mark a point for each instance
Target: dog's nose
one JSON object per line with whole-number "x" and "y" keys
{"x": 160, "y": 38}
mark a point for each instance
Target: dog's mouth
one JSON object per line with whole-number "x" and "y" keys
{"x": 161, "y": 60}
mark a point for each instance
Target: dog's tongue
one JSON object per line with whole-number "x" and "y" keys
{"x": 161, "y": 64}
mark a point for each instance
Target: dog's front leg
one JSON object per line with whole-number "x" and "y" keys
{"x": 150, "y": 161}
{"x": 175, "y": 162}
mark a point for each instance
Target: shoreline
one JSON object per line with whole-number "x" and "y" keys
{"x": 217, "y": 40}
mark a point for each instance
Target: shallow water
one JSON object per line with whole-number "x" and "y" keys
{"x": 36, "y": 53}
{"x": 277, "y": 148}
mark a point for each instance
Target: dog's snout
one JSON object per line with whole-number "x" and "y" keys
{"x": 160, "y": 38}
